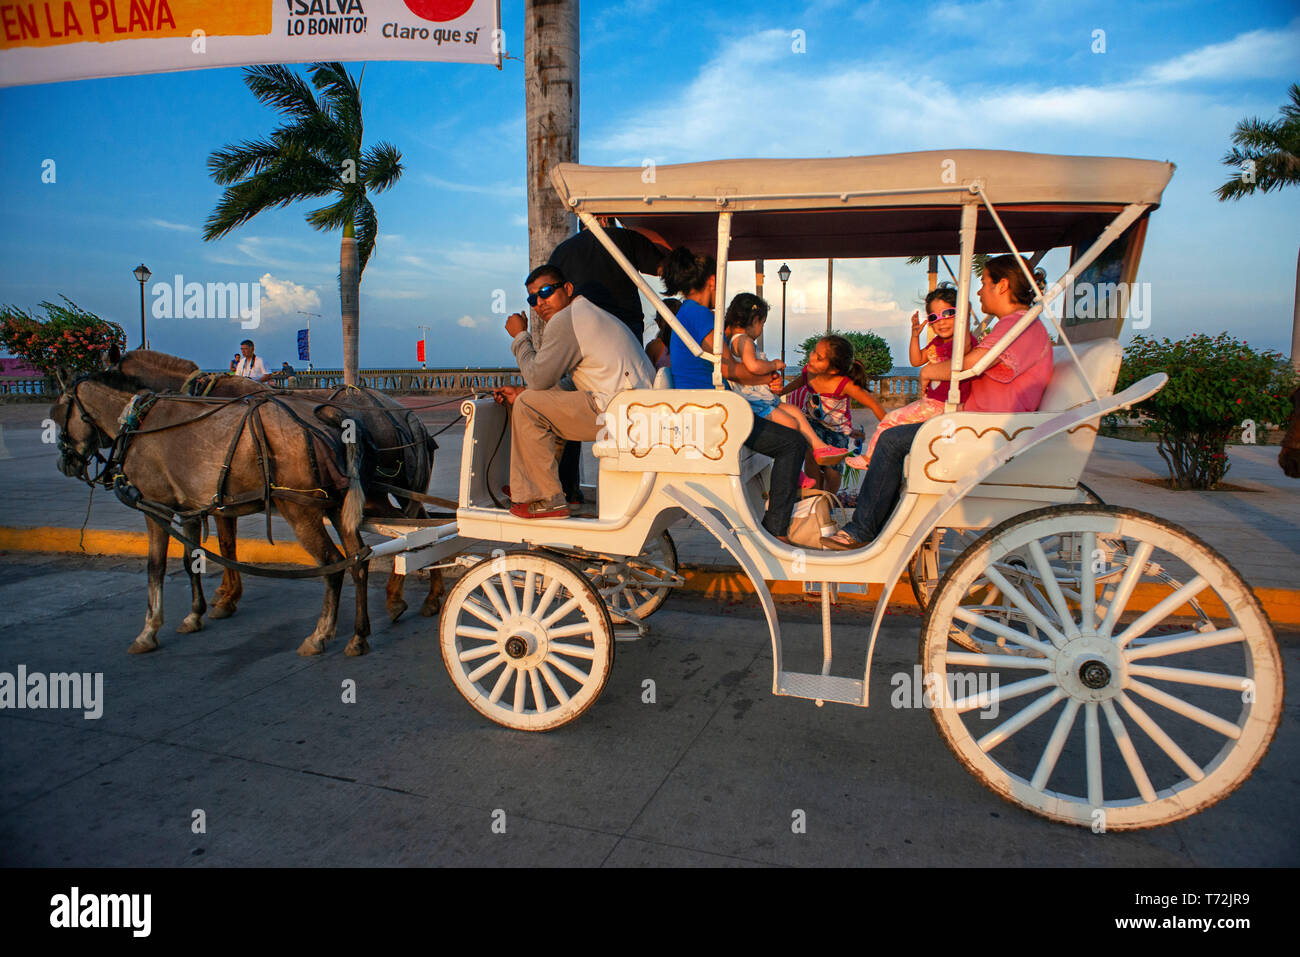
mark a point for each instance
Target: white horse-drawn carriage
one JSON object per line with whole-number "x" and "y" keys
{"x": 1086, "y": 662}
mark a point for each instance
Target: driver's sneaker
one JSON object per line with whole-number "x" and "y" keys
{"x": 557, "y": 509}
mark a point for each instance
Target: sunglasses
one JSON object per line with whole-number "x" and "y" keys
{"x": 946, "y": 314}
{"x": 546, "y": 292}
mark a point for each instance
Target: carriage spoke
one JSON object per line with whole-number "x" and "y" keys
{"x": 466, "y": 631}
{"x": 487, "y": 667}
{"x": 1087, "y": 588}
{"x": 570, "y": 631}
{"x": 573, "y": 651}
{"x": 1162, "y": 610}
{"x": 560, "y": 612}
{"x": 1047, "y": 762}
{"x": 995, "y": 696}
{"x": 553, "y": 683}
{"x": 499, "y": 688}
{"x": 1158, "y": 735}
{"x": 1025, "y": 606}
{"x": 1184, "y": 641}
{"x": 558, "y": 662}
{"x": 472, "y": 654}
{"x": 1092, "y": 740}
{"x": 548, "y": 596}
{"x": 1129, "y": 752}
{"x": 1190, "y": 711}
{"x": 539, "y": 697}
{"x": 997, "y": 628}
{"x": 1209, "y": 679}
{"x": 1053, "y": 588}
{"x": 530, "y": 585}
{"x": 481, "y": 613}
{"x": 1021, "y": 718}
{"x": 495, "y": 597}
{"x": 521, "y": 687}
{"x": 508, "y": 587}
{"x": 1127, "y": 583}
{"x": 970, "y": 659}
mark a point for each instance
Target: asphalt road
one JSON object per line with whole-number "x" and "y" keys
{"x": 231, "y": 730}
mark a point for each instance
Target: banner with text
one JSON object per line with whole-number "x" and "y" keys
{"x": 49, "y": 41}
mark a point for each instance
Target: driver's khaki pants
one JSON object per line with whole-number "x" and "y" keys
{"x": 540, "y": 422}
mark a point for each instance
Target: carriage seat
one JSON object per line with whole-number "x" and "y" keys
{"x": 698, "y": 431}
{"x": 952, "y": 444}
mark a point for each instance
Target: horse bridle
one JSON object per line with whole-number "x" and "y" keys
{"x": 73, "y": 456}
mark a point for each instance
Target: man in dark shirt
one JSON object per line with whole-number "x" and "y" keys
{"x": 595, "y": 275}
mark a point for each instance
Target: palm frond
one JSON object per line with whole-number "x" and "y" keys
{"x": 230, "y": 164}
{"x": 337, "y": 214}
{"x": 367, "y": 225}
{"x": 278, "y": 86}
{"x": 381, "y": 167}
{"x": 280, "y": 185}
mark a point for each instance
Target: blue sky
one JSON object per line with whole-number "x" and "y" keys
{"x": 671, "y": 82}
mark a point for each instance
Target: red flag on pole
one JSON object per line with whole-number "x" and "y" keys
{"x": 419, "y": 351}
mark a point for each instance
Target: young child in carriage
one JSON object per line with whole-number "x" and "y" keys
{"x": 940, "y": 305}
{"x": 742, "y": 325}
{"x": 831, "y": 380}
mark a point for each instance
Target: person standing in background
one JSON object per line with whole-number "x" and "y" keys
{"x": 250, "y": 365}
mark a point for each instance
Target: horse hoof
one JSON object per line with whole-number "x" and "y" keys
{"x": 221, "y": 611}
{"x": 191, "y": 624}
{"x": 356, "y": 647}
{"x": 395, "y": 609}
{"x": 142, "y": 647}
{"x": 311, "y": 646}
{"x": 431, "y": 608}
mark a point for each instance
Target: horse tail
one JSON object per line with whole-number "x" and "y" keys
{"x": 355, "y": 500}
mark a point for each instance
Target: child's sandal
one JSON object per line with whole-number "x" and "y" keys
{"x": 829, "y": 455}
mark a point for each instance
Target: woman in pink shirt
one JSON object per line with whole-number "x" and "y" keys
{"x": 1015, "y": 383}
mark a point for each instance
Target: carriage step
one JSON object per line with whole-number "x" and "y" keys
{"x": 821, "y": 687}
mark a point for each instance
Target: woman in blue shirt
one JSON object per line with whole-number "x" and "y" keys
{"x": 694, "y": 278}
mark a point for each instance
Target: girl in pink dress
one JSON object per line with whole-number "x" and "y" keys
{"x": 942, "y": 320}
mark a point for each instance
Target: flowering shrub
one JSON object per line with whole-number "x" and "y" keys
{"x": 68, "y": 338}
{"x": 1214, "y": 386}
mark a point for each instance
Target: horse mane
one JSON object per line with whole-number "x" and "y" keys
{"x": 160, "y": 363}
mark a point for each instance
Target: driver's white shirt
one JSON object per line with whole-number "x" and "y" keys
{"x": 252, "y": 368}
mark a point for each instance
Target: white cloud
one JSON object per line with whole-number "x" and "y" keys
{"x": 469, "y": 322}
{"x": 179, "y": 227}
{"x": 282, "y": 297}
{"x": 1254, "y": 54}
{"x": 503, "y": 190}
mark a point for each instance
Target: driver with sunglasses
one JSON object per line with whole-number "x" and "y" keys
{"x": 589, "y": 347}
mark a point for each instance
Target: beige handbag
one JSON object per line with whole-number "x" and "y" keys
{"x": 813, "y": 519}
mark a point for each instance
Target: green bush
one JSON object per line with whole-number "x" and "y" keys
{"x": 868, "y": 348}
{"x": 68, "y": 339}
{"x": 1215, "y": 385}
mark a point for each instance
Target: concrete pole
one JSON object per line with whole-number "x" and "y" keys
{"x": 551, "y": 108}
{"x": 830, "y": 276}
{"x": 1295, "y": 319}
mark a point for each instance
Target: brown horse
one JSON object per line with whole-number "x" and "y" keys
{"x": 405, "y": 457}
{"x": 1289, "y": 457}
{"x": 187, "y": 455}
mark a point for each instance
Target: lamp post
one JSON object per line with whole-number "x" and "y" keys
{"x": 784, "y": 273}
{"x": 142, "y": 274}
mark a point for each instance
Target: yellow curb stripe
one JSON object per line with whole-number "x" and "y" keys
{"x": 1282, "y": 605}
{"x": 104, "y": 542}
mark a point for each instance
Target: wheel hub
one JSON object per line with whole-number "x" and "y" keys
{"x": 523, "y": 641}
{"x": 1090, "y": 668}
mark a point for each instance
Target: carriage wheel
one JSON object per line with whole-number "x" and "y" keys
{"x": 636, "y": 588}
{"x": 527, "y": 640}
{"x": 1117, "y": 714}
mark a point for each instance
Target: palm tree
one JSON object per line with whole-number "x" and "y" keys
{"x": 1265, "y": 156}
{"x": 316, "y": 153}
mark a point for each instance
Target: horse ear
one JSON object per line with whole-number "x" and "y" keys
{"x": 114, "y": 355}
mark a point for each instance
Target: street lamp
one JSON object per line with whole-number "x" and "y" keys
{"x": 784, "y": 273}
{"x": 142, "y": 273}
